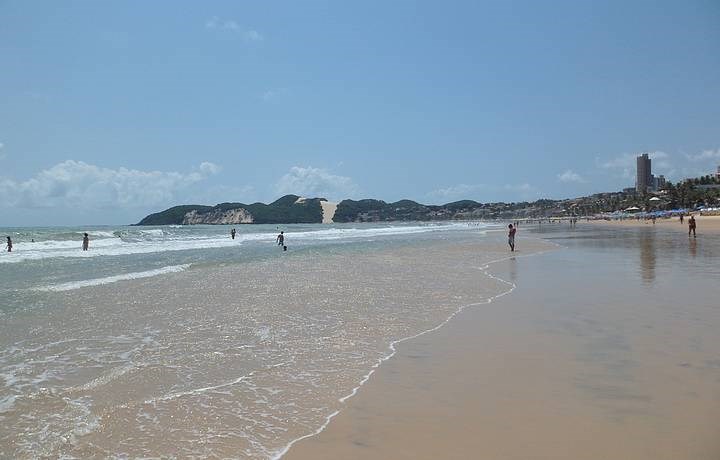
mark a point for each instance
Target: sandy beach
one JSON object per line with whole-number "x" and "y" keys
{"x": 705, "y": 224}
{"x": 585, "y": 359}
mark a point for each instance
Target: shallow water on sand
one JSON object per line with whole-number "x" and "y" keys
{"x": 223, "y": 359}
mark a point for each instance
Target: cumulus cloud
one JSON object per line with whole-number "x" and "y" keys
{"x": 315, "y": 182}
{"x": 79, "y": 184}
{"x": 2, "y": 154}
{"x": 570, "y": 176}
{"x": 250, "y": 35}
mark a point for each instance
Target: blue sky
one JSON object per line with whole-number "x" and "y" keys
{"x": 112, "y": 110}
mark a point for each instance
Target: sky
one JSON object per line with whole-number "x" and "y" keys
{"x": 112, "y": 110}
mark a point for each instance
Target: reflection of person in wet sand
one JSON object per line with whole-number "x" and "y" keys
{"x": 9, "y": 245}
{"x": 511, "y": 237}
{"x": 691, "y": 226}
{"x": 86, "y": 242}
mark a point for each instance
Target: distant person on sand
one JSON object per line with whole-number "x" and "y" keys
{"x": 232, "y": 233}
{"x": 511, "y": 236}
{"x": 86, "y": 241}
{"x": 281, "y": 239}
{"x": 681, "y": 218}
{"x": 9, "y": 245}
{"x": 691, "y": 226}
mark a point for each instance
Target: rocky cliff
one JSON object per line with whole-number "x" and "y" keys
{"x": 218, "y": 217}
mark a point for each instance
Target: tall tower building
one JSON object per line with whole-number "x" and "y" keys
{"x": 644, "y": 179}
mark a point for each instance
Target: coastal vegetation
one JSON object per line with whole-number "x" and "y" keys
{"x": 688, "y": 194}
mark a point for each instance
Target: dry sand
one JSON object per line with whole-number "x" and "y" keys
{"x": 705, "y": 224}
{"x": 328, "y": 210}
{"x": 543, "y": 373}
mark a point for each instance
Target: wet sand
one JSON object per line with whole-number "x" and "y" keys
{"x": 604, "y": 350}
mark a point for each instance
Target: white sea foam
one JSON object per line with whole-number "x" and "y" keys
{"x": 112, "y": 279}
{"x": 147, "y": 241}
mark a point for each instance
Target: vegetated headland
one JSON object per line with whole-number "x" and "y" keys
{"x": 293, "y": 209}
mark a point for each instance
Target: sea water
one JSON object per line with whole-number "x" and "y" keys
{"x": 180, "y": 341}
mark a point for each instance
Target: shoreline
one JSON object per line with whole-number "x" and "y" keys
{"x": 393, "y": 346}
{"x": 506, "y": 382}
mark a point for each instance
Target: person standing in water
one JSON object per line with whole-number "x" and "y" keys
{"x": 86, "y": 242}
{"x": 9, "y": 245}
{"x": 232, "y": 233}
{"x": 511, "y": 237}
{"x": 281, "y": 239}
{"x": 691, "y": 226}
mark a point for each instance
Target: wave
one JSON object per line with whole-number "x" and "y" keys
{"x": 146, "y": 241}
{"x": 113, "y": 279}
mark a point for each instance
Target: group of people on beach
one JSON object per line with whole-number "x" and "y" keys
{"x": 85, "y": 243}
{"x": 280, "y": 238}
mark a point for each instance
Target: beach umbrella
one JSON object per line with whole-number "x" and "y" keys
{"x": 632, "y": 209}
{"x": 654, "y": 199}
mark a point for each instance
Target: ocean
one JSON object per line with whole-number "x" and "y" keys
{"x": 179, "y": 341}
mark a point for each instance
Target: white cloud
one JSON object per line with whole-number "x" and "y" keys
{"x": 315, "y": 182}
{"x": 507, "y": 192}
{"x": 272, "y": 94}
{"x": 457, "y": 191}
{"x": 216, "y": 23}
{"x": 627, "y": 163}
{"x": 570, "y": 176}
{"x": 79, "y": 184}
{"x": 253, "y": 36}
{"x": 209, "y": 168}
{"x": 705, "y": 155}
{"x": 2, "y": 154}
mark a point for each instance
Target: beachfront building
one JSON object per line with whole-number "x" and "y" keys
{"x": 717, "y": 174}
{"x": 644, "y": 179}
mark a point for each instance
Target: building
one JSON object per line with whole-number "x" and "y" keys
{"x": 659, "y": 182}
{"x": 644, "y": 180}
{"x": 717, "y": 174}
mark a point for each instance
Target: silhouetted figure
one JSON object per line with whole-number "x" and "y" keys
{"x": 284, "y": 248}
{"x": 86, "y": 242}
{"x": 511, "y": 237}
{"x": 681, "y": 218}
{"x": 232, "y": 233}
{"x": 691, "y": 226}
{"x": 281, "y": 239}
{"x": 9, "y": 244}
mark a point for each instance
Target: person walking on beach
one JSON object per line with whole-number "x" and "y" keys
{"x": 681, "y": 218}
{"x": 9, "y": 245}
{"x": 232, "y": 233}
{"x": 511, "y": 237}
{"x": 691, "y": 226}
{"x": 281, "y": 239}
{"x": 86, "y": 242}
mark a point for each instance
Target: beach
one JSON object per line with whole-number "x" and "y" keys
{"x": 236, "y": 355}
{"x": 605, "y": 349}
{"x": 365, "y": 341}
{"x": 705, "y": 224}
